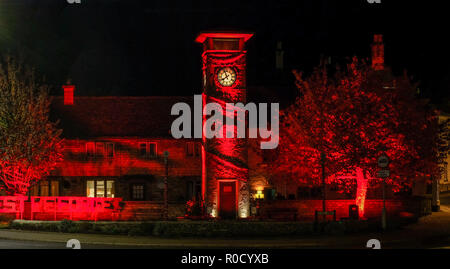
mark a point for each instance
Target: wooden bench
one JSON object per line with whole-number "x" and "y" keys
{"x": 282, "y": 213}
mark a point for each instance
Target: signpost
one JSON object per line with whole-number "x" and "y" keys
{"x": 383, "y": 173}
{"x": 383, "y": 162}
{"x": 166, "y": 187}
{"x": 324, "y": 211}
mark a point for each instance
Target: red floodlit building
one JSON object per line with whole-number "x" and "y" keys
{"x": 114, "y": 146}
{"x": 114, "y": 151}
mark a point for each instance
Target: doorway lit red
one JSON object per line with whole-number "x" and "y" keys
{"x": 227, "y": 202}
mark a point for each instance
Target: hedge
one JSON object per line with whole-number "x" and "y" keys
{"x": 207, "y": 228}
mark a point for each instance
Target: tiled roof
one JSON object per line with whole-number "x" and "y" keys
{"x": 115, "y": 116}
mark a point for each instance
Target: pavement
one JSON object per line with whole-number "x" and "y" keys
{"x": 431, "y": 231}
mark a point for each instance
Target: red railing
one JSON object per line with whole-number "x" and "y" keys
{"x": 82, "y": 207}
{"x": 58, "y": 207}
{"x": 13, "y": 205}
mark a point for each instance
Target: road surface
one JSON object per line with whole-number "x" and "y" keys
{"x": 21, "y": 244}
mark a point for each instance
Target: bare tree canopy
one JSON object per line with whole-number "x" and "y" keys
{"x": 29, "y": 142}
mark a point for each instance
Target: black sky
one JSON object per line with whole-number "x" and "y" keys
{"x": 139, "y": 47}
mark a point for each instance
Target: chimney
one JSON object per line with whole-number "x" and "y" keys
{"x": 68, "y": 94}
{"x": 279, "y": 55}
{"x": 378, "y": 52}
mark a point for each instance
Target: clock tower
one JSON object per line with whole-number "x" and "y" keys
{"x": 225, "y": 186}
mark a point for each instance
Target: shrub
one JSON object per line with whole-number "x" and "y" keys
{"x": 145, "y": 228}
{"x": 356, "y": 226}
{"x": 116, "y": 229}
{"x": 193, "y": 208}
{"x": 334, "y": 228}
{"x": 85, "y": 227}
{"x": 230, "y": 229}
{"x": 241, "y": 229}
{"x": 66, "y": 225}
{"x": 135, "y": 231}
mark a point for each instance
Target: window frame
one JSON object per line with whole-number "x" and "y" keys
{"x": 193, "y": 189}
{"x": 148, "y": 154}
{"x": 99, "y": 153}
{"x": 156, "y": 150}
{"x": 113, "y": 151}
{"x": 105, "y": 188}
{"x": 132, "y": 186}
{"x": 52, "y": 186}
{"x": 195, "y": 148}
{"x": 88, "y": 154}
{"x": 96, "y": 152}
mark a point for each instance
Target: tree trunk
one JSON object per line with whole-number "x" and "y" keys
{"x": 361, "y": 190}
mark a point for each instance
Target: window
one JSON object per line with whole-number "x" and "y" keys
{"x": 90, "y": 149}
{"x": 152, "y": 149}
{"x": 45, "y": 188}
{"x": 99, "y": 149}
{"x": 148, "y": 149}
{"x": 109, "y": 150}
{"x": 90, "y": 188}
{"x": 110, "y": 188}
{"x": 34, "y": 190}
{"x": 193, "y": 190}
{"x": 54, "y": 188}
{"x": 143, "y": 149}
{"x": 100, "y": 188}
{"x": 44, "y": 191}
{"x": 137, "y": 192}
{"x": 225, "y": 44}
{"x": 192, "y": 149}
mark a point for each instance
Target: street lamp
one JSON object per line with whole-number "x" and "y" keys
{"x": 383, "y": 162}
{"x": 322, "y": 161}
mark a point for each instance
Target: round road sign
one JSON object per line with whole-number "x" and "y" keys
{"x": 383, "y": 161}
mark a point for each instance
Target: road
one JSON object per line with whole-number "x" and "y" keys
{"x": 19, "y": 244}
{"x": 23, "y": 244}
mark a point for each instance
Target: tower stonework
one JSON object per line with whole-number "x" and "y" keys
{"x": 225, "y": 186}
{"x": 378, "y": 53}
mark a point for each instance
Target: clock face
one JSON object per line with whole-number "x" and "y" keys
{"x": 226, "y": 76}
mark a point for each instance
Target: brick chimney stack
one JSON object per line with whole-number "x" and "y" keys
{"x": 68, "y": 93}
{"x": 378, "y": 52}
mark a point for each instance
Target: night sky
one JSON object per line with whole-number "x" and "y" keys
{"x": 132, "y": 47}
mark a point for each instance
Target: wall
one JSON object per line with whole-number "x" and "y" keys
{"x": 127, "y": 160}
{"x": 306, "y": 208}
{"x": 128, "y": 167}
{"x": 132, "y": 211}
{"x": 138, "y": 211}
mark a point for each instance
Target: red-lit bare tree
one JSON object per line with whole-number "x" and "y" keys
{"x": 351, "y": 116}
{"x": 29, "y": 142}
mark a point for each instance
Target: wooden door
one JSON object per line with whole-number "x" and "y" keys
{"x": 227, "y": 203}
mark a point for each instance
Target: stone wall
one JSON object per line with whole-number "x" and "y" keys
{"x": 146, "y": 210}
